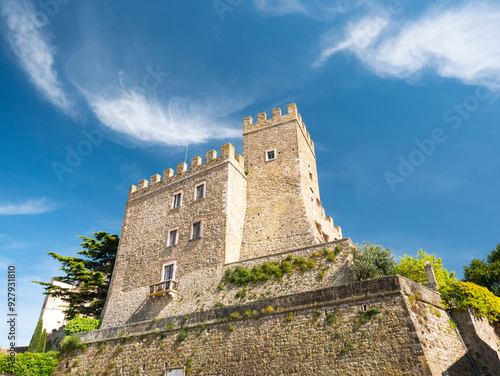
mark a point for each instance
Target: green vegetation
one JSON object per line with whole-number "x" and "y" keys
{"x": 82, "y": 324}
{"x": 70, "y": 344}
{"x": 29, "y": 364}
{"x": 414, "y": 268}
{"x": 365, "y": 316}
{"x": 243, "y": 275}
{"x": 269, "y": 309}
{"x": 331, "y": 317}
{"x": 189, "y": 364}
{"x": 468, "y": 295}
{"x": 36, "y": 338}
{"x": 318, "y": 312}
{"x": 219, "y": 304}
{"x": 289, "y": 318}
{"x": 183, "y": 334}
{"x": 92, "y": 273}
{"x": 331, "y": 255}
{"x": 170, "y": 326}
{"x": 372, "y": 261}
{"x": 485, "y": 273}
{"x": 241, "y": 293}
{"x": 348, "y": 346}
{"x": 234, "y": 315}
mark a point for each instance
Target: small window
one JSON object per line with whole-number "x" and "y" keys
{"x": 309, "y": 169}
{"x": 177, "y": 201}
{"x": 312, "y": 204}
{"x": 173, "y": 237}
{"x": 196, "y": 230}
{"x": 168, "y": 272}
{"x": 174, "y": 372}
{"x": 270, "y": 155}
{"x": 199, "y": 191}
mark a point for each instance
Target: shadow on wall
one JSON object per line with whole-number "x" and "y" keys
{"x": 486, "y": 358}
{"x": 462, "y": 367}
{"x": 149, "y": 309}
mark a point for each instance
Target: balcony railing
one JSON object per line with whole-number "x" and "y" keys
{"x": 164, "y": 287}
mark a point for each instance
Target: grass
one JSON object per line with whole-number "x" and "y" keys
{"x": 331, "y": 317}
{"x": 183, "y": 334}
{"x": 365, "y": 316}
{"x": 234, "y": 315}
{"x": 269, "y": 309}
{"x": 241, "y": 294}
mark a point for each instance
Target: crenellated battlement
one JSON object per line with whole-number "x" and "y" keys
{"x": 277, "y": 118}
{"x": 182, "y": 171}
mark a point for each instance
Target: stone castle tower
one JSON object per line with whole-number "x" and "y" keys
{"x": 179, "y": 231}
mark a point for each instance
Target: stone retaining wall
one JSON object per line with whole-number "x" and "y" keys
{"x": 375, "y": 327}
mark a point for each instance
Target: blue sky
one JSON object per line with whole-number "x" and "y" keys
{"x": 400, "y": 99}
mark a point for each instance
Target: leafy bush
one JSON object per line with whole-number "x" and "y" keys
{"x": 372, "y": 261}
{"x": 242, "y": 275}
{"x": 29, "y": 364}
{"x": 80, "y": 325}
{"x": 71, "y": 343}
{"x": 234, "y": 315}
{"x": 414, "y": 268}
{"x": 464, "y": 295}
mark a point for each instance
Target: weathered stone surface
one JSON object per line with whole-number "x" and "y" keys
{"x": 482, "y": 340}
{"x": 313, "y": 333}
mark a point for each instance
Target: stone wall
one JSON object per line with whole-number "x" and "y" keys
{"x": 364, "y": 328}
{"x": 276, "y": 218}
{"x": 144, "y": 247}
{"x": 482, "y": 340}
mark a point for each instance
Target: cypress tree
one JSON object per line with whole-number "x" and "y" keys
{"x": 43, "y": 342}
{"x": 35, "y": 339}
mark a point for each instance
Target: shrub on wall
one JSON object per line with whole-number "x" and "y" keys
{"x": 29, "y": 364}
{"x": 81, "y": 324}
{"x": 468, "y": 295}
{"x": 372, "y": 261}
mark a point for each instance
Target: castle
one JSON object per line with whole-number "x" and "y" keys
{"x": 172, "y": 309}
{"x": 179, "y": 231}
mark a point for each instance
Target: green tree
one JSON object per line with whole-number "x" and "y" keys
{"x": 414, "y": 268}
{"x": 485, "y": 273}
{"x": 36, "y": 337}
{"x": 371, "y": 261}
{"x": 91, "y": 274}
{"x": 43, "y": 342}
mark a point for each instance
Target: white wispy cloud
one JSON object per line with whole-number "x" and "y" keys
{"x": 145, "y": 120}
{"x": 30, "y": 41}
{"x": 28, "y": 207}
{"x": 316, "y": 9}
{"x": 460, "y": 43}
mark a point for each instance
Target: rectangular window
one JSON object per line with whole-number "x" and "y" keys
{"x": 196, "y": 230}
{"x": 174, "y": 372}
{"x": 199, "y": 191}
{"x": 309, "y": 170}
{"x": 312, "y": 204}
{"x": 270, "y": 155}
{"x": 168, "y": 272}
{"x": 177, "y": 201}
{"x": 173, "y": 237}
